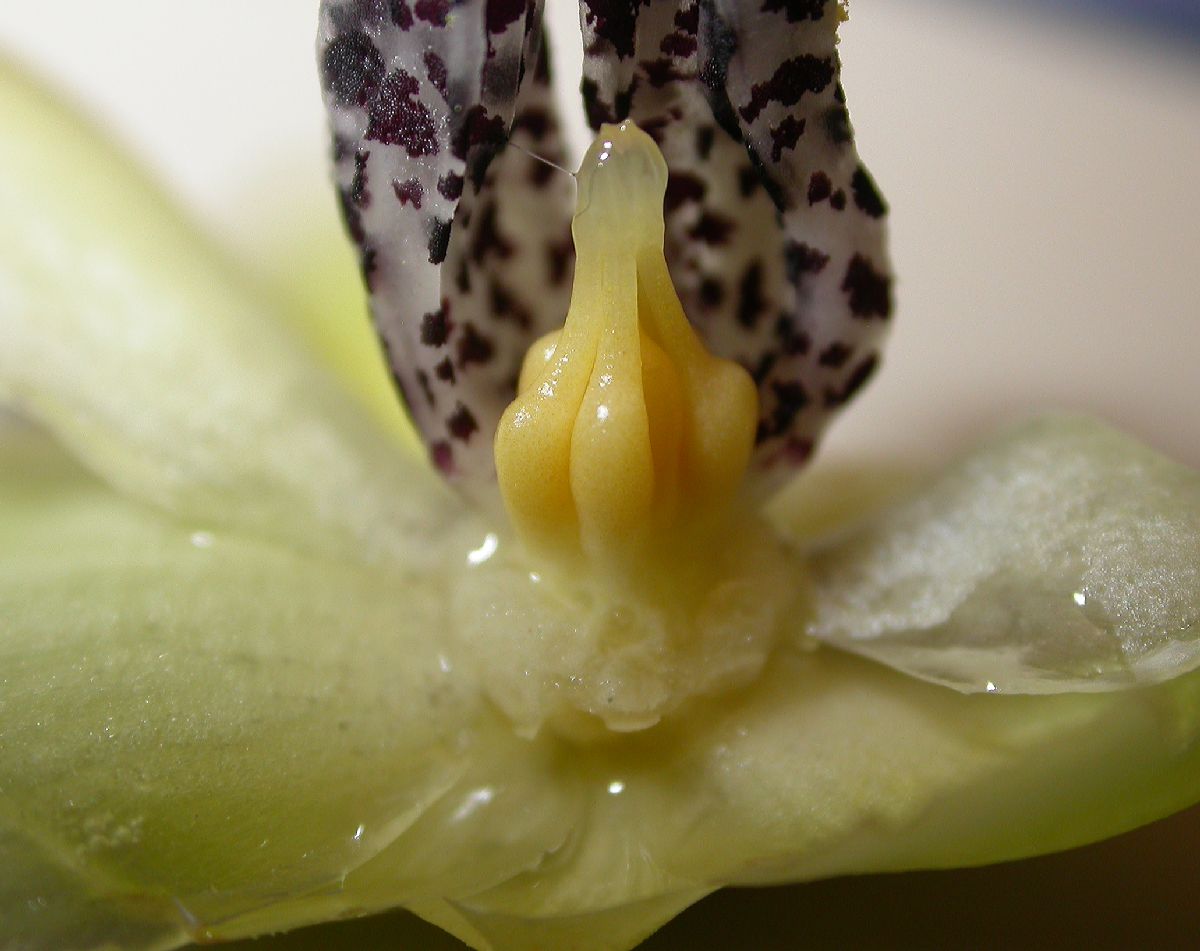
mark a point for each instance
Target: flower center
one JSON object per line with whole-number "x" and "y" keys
{"x": 626, "y": 435}
{"x": 643, "y": 583}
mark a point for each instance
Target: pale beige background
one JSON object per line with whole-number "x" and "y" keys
{"x": 1046, "y": 216}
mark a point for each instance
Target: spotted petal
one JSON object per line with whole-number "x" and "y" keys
{"x": 775, "y": 229}
{"x": 464, "y": 243}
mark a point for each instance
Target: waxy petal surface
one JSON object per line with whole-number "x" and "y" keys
{"x": 1063, "y": 556}
{"x": 201, "y": 725}
{"x": 176, "y": 707}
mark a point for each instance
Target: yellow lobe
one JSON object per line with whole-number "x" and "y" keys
{"x": 626, "y": 432}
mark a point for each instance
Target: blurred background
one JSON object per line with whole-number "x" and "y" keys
{"x": 1042, "y": 160}
{"x": 1178, "y": 18}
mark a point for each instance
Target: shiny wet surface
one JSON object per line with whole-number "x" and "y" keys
{"x": 1137, "y": 890}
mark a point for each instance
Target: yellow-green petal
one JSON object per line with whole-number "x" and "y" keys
{"x": 199, "y": 726}
{"x": 134, "y": 339}
{"x": 1062, "y": 555}
{"x": 201, "y": 723}
{"x": 302, "y": 257}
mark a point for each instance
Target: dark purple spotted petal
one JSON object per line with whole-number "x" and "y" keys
{"x": 464, "y": 243}
{"x": 775, "y": 233}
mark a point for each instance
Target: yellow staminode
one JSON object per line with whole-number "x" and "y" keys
{"x": 625, "y": 428}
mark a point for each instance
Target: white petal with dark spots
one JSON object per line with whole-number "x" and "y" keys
{"x": 774, "y": 229}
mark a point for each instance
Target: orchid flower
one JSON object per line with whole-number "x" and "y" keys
{"x": 262, "y": 665}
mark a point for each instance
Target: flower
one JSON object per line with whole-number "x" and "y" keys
{"x": 227, "y": 705}
{"x": 774, "y": 228}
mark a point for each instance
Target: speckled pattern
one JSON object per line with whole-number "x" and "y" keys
{"x": 775, "y": 230}
{"x": 464, "y": 244}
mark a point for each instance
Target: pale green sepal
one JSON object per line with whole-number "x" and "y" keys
{"x": 1060, "y": 556}
{"x": 838, "y": 766}
{"x": 46, "y": 903}
{"x": 299, "y": 252}
{"x": 138, "y": 344}
{"x": 834, "y": 765}
{"x": 199, "y": 725}
{"x": 253, "y": 739}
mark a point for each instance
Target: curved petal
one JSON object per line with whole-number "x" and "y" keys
{"x": 302, "y": 259}
{"x": 832, "y": 765}
{"x": 902, "y": 774}
{"x": 774, "y": 228}
{"x": 210, "y": 735}
{"x": 138, "y": 344}
{"x": 1060, "y": 556}
{"x": 464, "y": 243}
{"x": 175, "y": 706}
{"x": 47, "y": 903}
